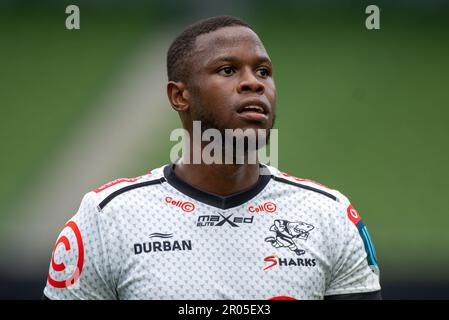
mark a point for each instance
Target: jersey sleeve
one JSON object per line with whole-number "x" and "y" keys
{"x": 355, "y": 269}
{"x": 79, "y": 267}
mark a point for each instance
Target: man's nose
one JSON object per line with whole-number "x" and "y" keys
{"x": 249, "y": 83}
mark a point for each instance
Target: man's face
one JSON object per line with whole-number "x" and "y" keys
{"x": 231, "y": 83}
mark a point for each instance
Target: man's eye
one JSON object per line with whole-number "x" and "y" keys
{"x": 263, "y": 72}
{"x": 226, "y": 71}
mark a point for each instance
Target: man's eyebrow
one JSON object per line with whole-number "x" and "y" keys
{"x": 234, "y": 59}
{"x": 224, "y": 59}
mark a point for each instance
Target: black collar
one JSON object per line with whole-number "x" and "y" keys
{"x": 222, "y": 202}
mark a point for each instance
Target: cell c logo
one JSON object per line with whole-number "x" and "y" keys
{"x": 352, "y": 214}
{"x": 184, "y": 205}
{"x": 269, "y": 207}
{"x": 59, "y": 267}
{"x": 187, "y": 207}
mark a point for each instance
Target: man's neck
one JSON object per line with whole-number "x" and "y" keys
{"x": 220, "y": 179}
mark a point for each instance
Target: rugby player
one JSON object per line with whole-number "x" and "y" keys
{"x": 215, "y": 230}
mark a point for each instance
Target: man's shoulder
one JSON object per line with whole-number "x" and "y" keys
{"x": 301, "y": 184}
{"x": 113, "y": 190}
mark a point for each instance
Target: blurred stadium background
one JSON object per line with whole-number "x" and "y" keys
{"x": 366, "y": 112}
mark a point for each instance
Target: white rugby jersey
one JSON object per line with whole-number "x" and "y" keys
{"x": 157, "y": 237}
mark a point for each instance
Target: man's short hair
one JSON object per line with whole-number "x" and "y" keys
{"x": 181, "y": 49}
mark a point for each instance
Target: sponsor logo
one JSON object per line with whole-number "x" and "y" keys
{"x": 353, "y": 215}
{"x": 59, "y": 267}
{"x": 272, "y": 261}
{"x": 220, "y": 220}
{"x": 184, "y": 205}
{"x": 268, "y": 207}
{"x": 160, "y": 246}
{"x": 287, "y": 232}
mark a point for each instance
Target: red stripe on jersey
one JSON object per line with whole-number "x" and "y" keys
{"x": 113, "y": 183}
{"x": 305, "y": 180}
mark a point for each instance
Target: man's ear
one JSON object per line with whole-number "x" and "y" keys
{"x": 178, "y": 95}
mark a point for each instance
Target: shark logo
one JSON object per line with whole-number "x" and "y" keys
{"x": 286, "y": 231}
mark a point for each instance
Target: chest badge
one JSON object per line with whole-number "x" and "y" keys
{"x": 285, "y": 231}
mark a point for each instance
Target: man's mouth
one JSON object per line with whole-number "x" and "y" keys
{"x": 254, "y": 110}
